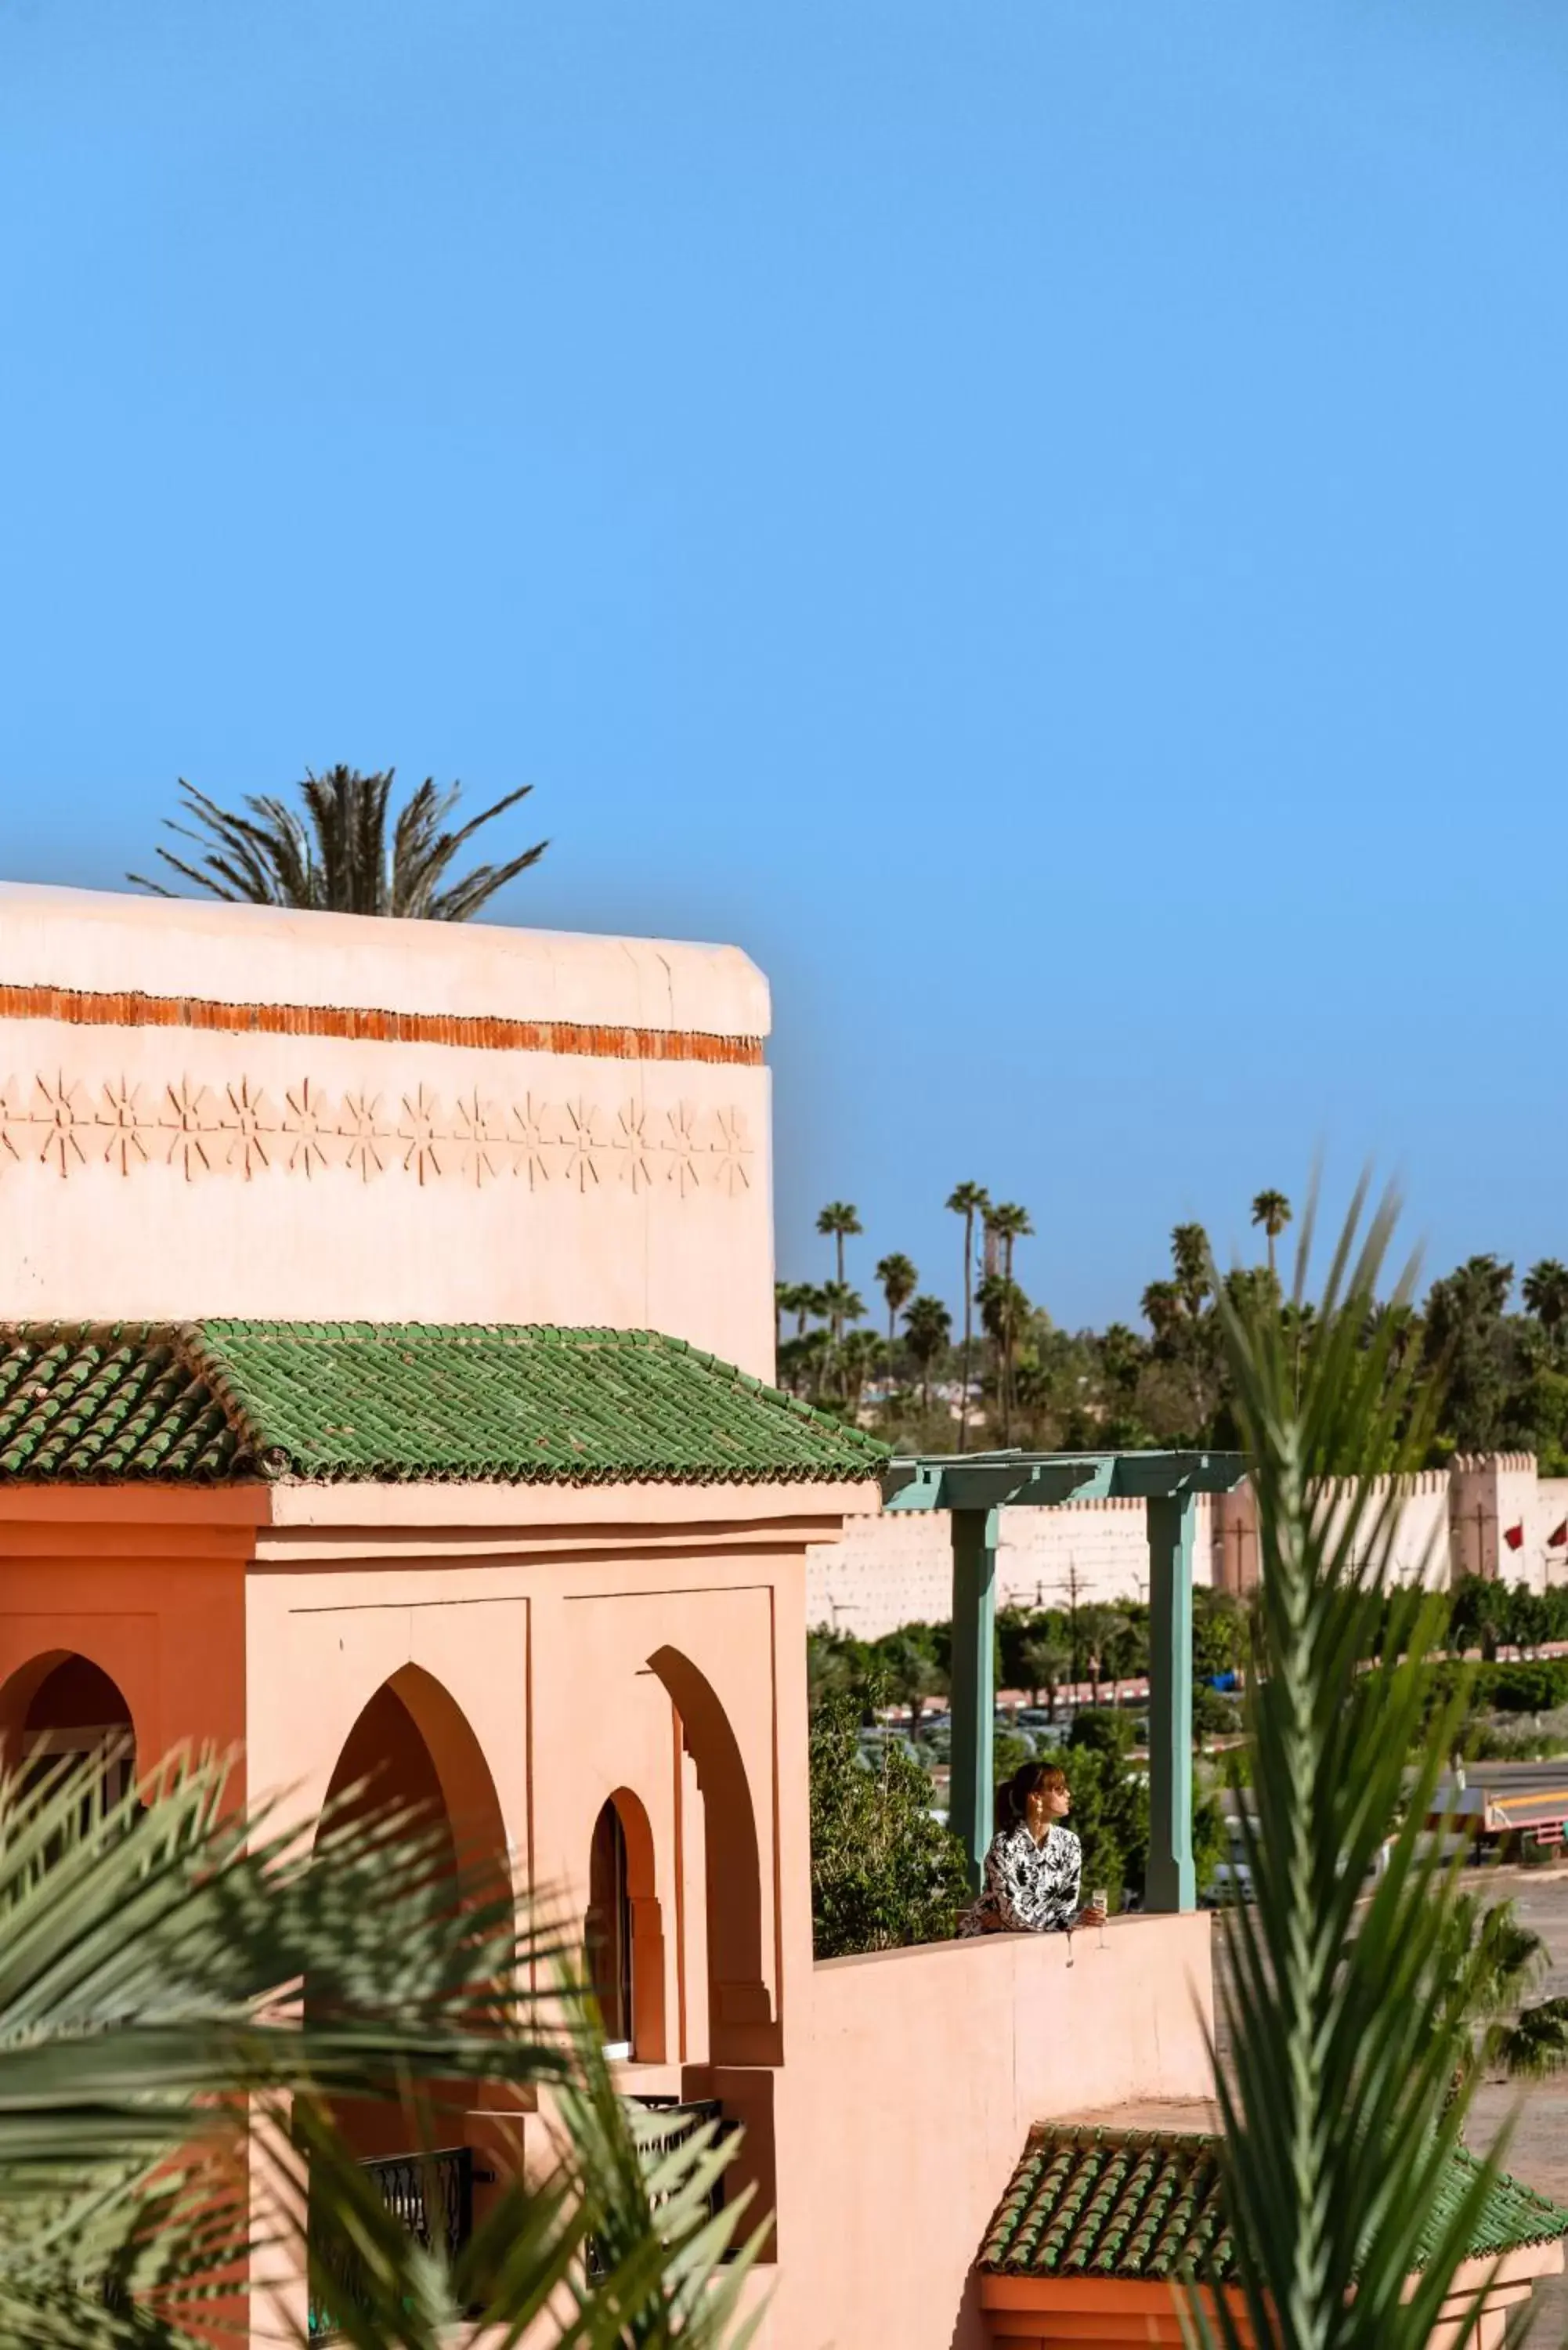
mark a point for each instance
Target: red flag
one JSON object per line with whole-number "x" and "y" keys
{"x": 1514, "y": 1536}
{"x": 1558, "y": 1537}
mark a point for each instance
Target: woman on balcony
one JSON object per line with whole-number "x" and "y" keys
{"x": 1036, "y": 1865}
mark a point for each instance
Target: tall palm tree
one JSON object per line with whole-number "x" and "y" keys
{"x": 1010, "y": 1223}
{"x": 899, "y": 1282}
{"x": 1347, "y": 2088}
{"x": 928, "y": 1327}
{"x": 861, "y": 1355}
{"x": 1273, "y": 1211}
{"x": 839, "y": 1220}
{"x": 143, "y": 2049}
{"x": 968, "y": 1200}
{"x": 332, "y": 855}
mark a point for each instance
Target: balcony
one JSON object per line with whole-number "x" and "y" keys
{"x": 430, "y": 2194}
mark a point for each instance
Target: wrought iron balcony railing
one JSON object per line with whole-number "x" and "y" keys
{"x": 430, "y": 2194}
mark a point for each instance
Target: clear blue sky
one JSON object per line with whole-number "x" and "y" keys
{"x": 1044, "y": 522}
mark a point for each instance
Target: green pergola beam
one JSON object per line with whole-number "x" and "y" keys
{"x": 974, "y": 1487}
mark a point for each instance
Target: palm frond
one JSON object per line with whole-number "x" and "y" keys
{"x": 1532, "y": 2047}
{"x": 1340, "y": 2103}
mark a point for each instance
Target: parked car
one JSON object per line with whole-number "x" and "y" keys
{"x": 1231, "y": 1881}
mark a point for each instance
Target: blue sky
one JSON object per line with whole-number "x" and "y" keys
{"x": 1044, "y": 522}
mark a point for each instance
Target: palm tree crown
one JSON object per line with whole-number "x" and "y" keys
{"x": 1273, "y": 1211}
{"x": 332, "y": 854}
{"x": 1545, "y": 1293}
{"x": 898, "y": 1280}
{"x": 927, "y": 1325}
{"x": 838, "y": 1220}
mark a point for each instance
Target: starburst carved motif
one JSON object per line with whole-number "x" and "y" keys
{"x": 61, "y": 1116}
{"x": 731, "y": 1147}
{"x": 365, "y": 1135}
{"x": 533, "y": 1141}
{"x": 120, "y": 1111}
{"x": 419, "y": 1130}
{"x": 14, "y": 1127}
{"x": 191, "y": 1129}
{"x": 680, "y": 1142}
{"x": 633, "y": 1148}
{"x": 250, "y": 1128}
{"x": 309, "y": 1135}
{"x": 479, "y": 1132}
{"x": 584, "y": 1146}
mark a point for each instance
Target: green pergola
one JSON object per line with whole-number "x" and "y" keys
{"x": 972, "y": 1487}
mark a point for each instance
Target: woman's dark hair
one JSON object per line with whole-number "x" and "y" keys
{"x": 1030, "y": 1779}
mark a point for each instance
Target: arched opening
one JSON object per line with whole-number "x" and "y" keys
{"x": 623, "y": 1935}
{"x": 411, "y": 1751}
{"x": 742, "y": 2028}
{"x": 62, "y": 1709}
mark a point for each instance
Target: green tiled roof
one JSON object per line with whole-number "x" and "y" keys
{"x": 1147, "y": 2205}
{"x": 227, "y": 1400}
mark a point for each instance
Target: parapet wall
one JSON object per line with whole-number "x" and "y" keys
{"x": 210, "y": 1109}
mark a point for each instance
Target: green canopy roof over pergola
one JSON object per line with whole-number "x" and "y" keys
{"x": 972, "y": 1487}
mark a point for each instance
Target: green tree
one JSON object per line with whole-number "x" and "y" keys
{"x": 1545, "y": 1295}
{"x": 884, "y": 1871}
{"x": 1465, "y": 1347}
{"x": 839, "y": 1221}
{"x": 1003, "y": 1307}
{"x": 144, "y": 2054}
{"x": 860, "y": 1356}
{"x": 928, "y": 1328}
{"x": 332, "y": 855}
{"x": 968, "y": 1200}
{"x": 898, "y": 1280}
{"x": 1273, "y": 1211}
{"x": 909, "y": 1666}
{"x": 1044, "y": 1665}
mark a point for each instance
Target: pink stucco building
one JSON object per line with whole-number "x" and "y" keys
{"x": 385, "y": 1308}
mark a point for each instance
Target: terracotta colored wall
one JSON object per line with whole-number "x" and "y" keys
{"x": 210, "y": 1109}
{"x": 928, "y": 2068}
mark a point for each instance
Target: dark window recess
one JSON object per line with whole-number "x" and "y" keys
{"x": 606, "y": 1929}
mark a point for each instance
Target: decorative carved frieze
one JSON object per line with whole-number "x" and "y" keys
{"x": 237, "y": 1132}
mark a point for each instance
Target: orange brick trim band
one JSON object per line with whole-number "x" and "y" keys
{"x": 83, "y": 1008}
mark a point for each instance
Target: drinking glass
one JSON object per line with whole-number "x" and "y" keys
{"x": 1100, "y": 1899}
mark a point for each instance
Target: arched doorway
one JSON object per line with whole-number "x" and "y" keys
{"x": 60, "y": 1710}
{"x": 411, "y": 1751}
{"x": 741, "y": 2026}
{"x": 623, "y": 1935}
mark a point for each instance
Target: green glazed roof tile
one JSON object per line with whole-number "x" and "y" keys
{"x": 208, "y": 1401}
{"x": 1147, "y": 2205}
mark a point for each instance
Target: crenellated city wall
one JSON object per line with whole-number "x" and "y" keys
{"x": 896, "y": 1568}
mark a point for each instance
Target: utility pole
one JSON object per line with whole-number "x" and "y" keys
{"x": 1071, "y": 1586}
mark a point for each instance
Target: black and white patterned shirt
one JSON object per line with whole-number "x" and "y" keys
{"x": 1030, "y": 1888}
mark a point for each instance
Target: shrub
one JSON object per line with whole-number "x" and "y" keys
{"x": 884, "y": 1873}
{"x": 1528, "y": 1688}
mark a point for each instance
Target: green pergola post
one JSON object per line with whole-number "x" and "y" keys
{"x": 970, "y": 1788}
{"x": 1169, "y": 1884}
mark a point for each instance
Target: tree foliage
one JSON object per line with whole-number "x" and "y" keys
{"x": 332, "y": 854}
{"x": 884, "y": 1871}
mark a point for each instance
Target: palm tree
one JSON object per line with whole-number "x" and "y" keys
{"x": 839, "y": 1220}
{"x": 334, "y": 858}
{"x": 861, "y": 1355}
{"x": 1545, "y": 1295}
{"x": 1347, "y": 2085}
{"x": 928, "y": 1327}
{"x": 899, "y": 1280}
{"x": 1273, "y": 1211}
{"x": 841, "y": 1306}
{"x": 1009, "y": 1223}
{"x": 143, "y": 2053}
{"x": 968, "y": 1200}
{"x": 1046, "y": 1664}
